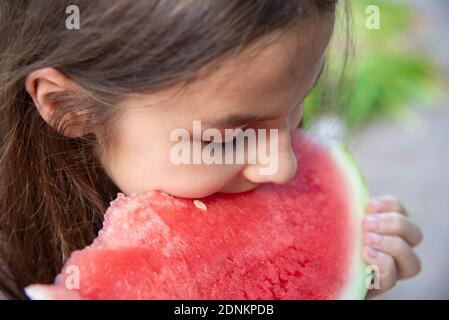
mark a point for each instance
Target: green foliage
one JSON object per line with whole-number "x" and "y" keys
{"x": 383, "y": 76}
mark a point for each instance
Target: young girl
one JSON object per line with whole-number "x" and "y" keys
{"x": 87, "y": 112}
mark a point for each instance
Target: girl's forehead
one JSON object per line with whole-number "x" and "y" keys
{"x": 275, "y": 60}
{"x": 283, "y": 67}
{"x": 260, "y": 78}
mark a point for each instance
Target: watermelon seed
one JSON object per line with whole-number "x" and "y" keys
{"x": 200, "y": 205}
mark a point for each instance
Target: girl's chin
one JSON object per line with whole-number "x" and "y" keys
{"x": 241, "y": 186}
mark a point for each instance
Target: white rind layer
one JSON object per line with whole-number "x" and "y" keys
{"x": 357, "y": 288}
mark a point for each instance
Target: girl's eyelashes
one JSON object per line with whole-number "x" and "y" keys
{"x": 223, "y": 144}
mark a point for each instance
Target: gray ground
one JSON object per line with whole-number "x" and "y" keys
{"x": 411, "y": 160}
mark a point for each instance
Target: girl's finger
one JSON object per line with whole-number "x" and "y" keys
{"x": 394, "y": 224}
{"x": 386, "y": 203}
{"x": 407, "y": 262}
{"x": 387, "y": 270}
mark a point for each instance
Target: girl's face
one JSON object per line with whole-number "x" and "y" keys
{"x": 258, "y": 91}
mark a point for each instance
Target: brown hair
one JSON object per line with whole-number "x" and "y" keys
{"x": 53, "y": 191}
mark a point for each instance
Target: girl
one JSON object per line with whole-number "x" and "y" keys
{"x": 87, "y": 112}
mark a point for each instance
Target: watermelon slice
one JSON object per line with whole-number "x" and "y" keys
{"x": 297, "y": 241}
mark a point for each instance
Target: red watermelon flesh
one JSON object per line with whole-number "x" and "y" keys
{"x": 296, "y": 241}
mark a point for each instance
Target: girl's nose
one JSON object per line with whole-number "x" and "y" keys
{"x": 285, "y": 166}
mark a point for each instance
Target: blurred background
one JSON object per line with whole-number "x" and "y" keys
{"x": 393, "y": 110}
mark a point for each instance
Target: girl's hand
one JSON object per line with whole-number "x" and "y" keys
{"x": 389, "y": 236}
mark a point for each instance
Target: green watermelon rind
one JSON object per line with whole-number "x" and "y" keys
{"x": 356, "y": 289}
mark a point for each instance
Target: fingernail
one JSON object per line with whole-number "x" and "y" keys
{"x": 371, "y": 252}
{"x": 376, "y": 205}
{"x": 374, "y": 238}
{"x": 372, "y": 223}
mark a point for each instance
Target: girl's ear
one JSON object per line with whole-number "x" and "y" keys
{"x": 40, "y": 85}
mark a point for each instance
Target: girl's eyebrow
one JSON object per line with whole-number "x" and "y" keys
{"x": 319, "y": 74}
{"x": 233, "y": 121}
{"x": 317, "y": 78}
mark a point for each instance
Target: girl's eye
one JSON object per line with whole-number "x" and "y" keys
{"x": 223, "y": 144}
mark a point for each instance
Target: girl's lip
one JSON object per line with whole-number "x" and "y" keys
{"x": 239, "y": 187}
